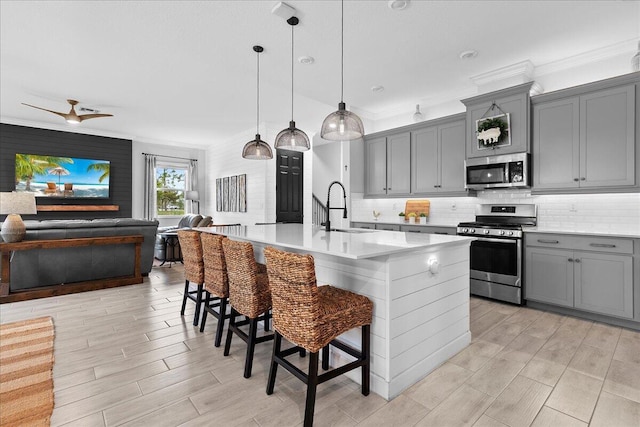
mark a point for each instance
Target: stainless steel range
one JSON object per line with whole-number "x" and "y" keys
{"x": 496, "y": 255}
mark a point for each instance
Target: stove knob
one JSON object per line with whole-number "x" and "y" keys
{"x": 502, "y": 232}
{"x": 511, "y": 233}
{"x": 465, "y": 230}
{"x": 486, "y": 231}
{"x": 473, "y": 230}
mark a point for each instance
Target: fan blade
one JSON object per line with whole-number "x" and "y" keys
{"x": 44, "y": 109}
{"x": 93, "y": 116}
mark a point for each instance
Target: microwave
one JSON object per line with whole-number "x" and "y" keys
{"x": 507, "y": 171}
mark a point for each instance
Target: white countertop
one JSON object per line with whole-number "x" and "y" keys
{"x": 362, "y": 244}
{"x": 603, "y": 232}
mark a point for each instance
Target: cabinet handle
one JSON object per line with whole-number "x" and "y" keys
{"x": 440, "y": 232}
{"x": 413, "y": 231}
{"x": 570, "y": 260}
{"x": 583, "y": 178}
{"x": 389, "y": 188}
{"x": 554, "y": 242}
{"x": 601, "y": 245}
{"x": 576, "y": 179}
{"x": 577, "y": 260}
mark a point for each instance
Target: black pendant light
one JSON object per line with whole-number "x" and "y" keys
{"x": 257, "y": 149}
{"x": 292, "y": 138}
{"x": 342, "y": 125}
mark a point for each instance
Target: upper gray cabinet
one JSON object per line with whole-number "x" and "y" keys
{"x": 513, "y": 101}
{"x": 422, "y": 159}
{"x": 386, "y": 165}
{"x": 437, "y": 158}
{"x": 584, "y": 138}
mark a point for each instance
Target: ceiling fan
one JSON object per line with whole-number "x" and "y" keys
{"x": 72, "y": 117}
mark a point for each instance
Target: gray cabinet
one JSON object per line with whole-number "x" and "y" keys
{"x": 388, "y": 227}
{"x": 386, "y": 166}
{"x": 437, "y": 158}
{"x": 585, "y": 141}
{"x": 430, "y": 229}
{"x": 586, "y": 273}
{"x": 515, "y": 102}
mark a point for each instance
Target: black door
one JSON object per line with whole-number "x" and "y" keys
{"x": 289, "y": 186}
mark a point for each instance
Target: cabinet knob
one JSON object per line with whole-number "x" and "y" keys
{"x": 570, "y": 260}
{"x": 578, "y": 260}
{"x": 583, "y": 178}
{"x": 389, "y": 188}
{"x": 576, "y": 179}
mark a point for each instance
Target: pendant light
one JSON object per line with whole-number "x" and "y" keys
{"x": 342, "y": 125}
{"x": 292, "y": 138}
{"x": 257, "y": 149}
{"x": 418, "y": 116}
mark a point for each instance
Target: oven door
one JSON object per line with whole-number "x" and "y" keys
{"x": 497, "y": 260}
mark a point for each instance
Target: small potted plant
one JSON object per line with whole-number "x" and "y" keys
{"x": 401, "y": 216}
{"x": 423, "y": 218}
{"x": 412, "y": 217}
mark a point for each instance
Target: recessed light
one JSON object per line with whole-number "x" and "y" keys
{"x": 377, "y": 88}
{"x": 306, "y": 60}
{"x": 468, "y": 54}
{"x": 398, "y": 4}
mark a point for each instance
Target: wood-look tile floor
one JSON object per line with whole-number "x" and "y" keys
{"x": 125, "y": 356}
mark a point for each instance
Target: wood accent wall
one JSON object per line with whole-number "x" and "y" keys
{"x": 27, "y": 140}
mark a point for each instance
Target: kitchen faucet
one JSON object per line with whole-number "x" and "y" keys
{"x": 327, "y": 224}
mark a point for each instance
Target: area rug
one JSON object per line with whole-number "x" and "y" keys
{"x": 26, "y": 363}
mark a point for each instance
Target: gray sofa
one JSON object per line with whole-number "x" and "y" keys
{"x": 42, "y": 267}
{"x": 187, "y": 221}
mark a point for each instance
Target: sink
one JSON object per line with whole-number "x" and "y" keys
{"x": 353, "y": 231}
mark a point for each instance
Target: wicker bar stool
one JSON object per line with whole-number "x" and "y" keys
{"x": 311, "y": 317}
{"x": 193, "y": 269}
{"x": 248, "y": 295}
{"x": 216, "y": 282}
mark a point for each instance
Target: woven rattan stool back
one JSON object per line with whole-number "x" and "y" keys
{"x": 246, "y": 295}
{"x": 192, "y": 255}
{"x": 216, "y": 280}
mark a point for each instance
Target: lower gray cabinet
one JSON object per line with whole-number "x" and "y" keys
{"x": 388, "y": 227}
{"x": 595, "y": 281}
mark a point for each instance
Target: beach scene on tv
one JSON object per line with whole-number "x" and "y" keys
{"x": 52, "y": 176}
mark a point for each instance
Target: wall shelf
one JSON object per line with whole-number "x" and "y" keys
{"x": 76, "y": 208}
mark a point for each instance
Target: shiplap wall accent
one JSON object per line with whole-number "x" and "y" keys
{"x": 225, "y": 159}
{"x": 28, "y": 140}
{"x": 420, "y": 319}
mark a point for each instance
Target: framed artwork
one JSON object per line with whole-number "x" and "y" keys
{"x": 219, "y": 194}
{"x": 225, "y": 194}
{"x": 242, "y": 193}
{"x": 493, "y": 131}
{"x": 233, "y": 194}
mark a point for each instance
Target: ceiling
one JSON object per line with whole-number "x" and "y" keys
{"x": 184, "y": 72}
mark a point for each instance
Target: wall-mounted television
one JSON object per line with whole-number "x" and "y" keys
{"x": 66, "y": 177}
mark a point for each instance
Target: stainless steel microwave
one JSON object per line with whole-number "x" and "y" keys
{"x": 508, "y": 171}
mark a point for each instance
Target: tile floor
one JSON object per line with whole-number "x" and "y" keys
{"x": 125, "y": 356}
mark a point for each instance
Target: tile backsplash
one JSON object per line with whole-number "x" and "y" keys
{"x": 612, "y": 211}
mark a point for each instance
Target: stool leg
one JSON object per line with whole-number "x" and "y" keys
{"x": 223, "y": 312}
{"x": 277, "y": 342}
{"x": 312, "y": 384}
{"x": 325, "y": 357}
{"x": 302, "y": 352}
{"x": 267, "y": 316}
{"x": 207, "y": 301}
{"x": 366, "y": 351}
{"x": 251, "y": 345}
{"x": 196, "y": 316}
{"x": 232, "y": 324}
{"x": 184, "y": 298}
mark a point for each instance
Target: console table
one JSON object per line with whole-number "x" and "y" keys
{"x": 6, "y": 249}
{"x": 171, "y": 241}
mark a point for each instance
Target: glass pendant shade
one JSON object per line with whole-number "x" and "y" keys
{"x": 342, "y": 125}
{"x": 257, "y": 150}
{"x": 292, "y": 138}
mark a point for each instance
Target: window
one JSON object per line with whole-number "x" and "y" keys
{"x": 170, "y": 187}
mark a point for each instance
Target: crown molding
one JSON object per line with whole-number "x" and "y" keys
{"x": 522, "y": 70}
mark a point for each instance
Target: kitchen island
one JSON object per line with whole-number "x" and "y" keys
{"x": 419, "y": 285}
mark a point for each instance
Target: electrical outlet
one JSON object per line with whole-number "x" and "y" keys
{"x": 454, "y": 207}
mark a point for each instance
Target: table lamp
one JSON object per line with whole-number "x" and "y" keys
{"x": 13, "y": 204}
{"x": 194, "y": 197}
